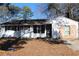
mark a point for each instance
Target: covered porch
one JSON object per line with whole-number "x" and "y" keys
{"x": 28, "y": 31}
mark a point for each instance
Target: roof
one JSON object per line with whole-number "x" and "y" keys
{"x": 28, "y": 22}
{"x": 65, "y": 18}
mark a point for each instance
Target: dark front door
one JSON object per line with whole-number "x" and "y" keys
{"x": 48, "y": 30}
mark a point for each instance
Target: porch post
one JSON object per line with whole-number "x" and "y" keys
{"x": 30, "y": 30}
{"x": 45, "y": 30}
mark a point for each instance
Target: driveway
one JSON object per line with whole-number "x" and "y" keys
{"x": 74, "y": 44}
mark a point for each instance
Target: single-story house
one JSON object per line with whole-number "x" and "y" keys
{"x": 62, "y": 27}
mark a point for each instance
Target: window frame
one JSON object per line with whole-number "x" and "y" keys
{"x": 66, "y": 30}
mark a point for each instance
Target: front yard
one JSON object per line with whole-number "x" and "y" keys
{"x": 40, "y": 48}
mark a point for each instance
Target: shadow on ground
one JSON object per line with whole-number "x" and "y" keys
{"x": 12, "y": 44}
{"x": 16, "y": 44}
{"x": 54, "y": 41}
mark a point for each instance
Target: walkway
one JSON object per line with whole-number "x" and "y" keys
{"x": 74, "y": 44}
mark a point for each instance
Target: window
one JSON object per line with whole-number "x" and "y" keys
{"x": 67, "y": 30}
{"x": 42, "y": 28}
{"x": 39, "y": 29}
{"x": 24, "y": 27}
{"x": 6, "y": 28}
{"x": 10, "y": 28}
{"x": 35, "y": 29}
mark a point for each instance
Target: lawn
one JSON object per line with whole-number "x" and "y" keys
{"x": 40, "y": 48}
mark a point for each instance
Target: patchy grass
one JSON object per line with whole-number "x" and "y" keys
{"x": 40, "y": 48}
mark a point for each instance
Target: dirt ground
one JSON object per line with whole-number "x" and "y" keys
{"x": 41, "y": 48}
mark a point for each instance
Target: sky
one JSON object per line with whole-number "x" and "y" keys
{"x": 34, "y": 8}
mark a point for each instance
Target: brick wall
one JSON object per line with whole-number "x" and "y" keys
{"x": 72, "y": 34}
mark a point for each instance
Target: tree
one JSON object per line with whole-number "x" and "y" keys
{"x": 13, "y": 11}
{"x": 27, "y": 13}
{"x": 70, "y": 10}
{"x": 8, "y": 12}
{"x": 3, "y": 12}
{"x": 52, "y": 10}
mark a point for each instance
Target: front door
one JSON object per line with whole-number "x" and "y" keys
{"x": 48, "y": 30}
